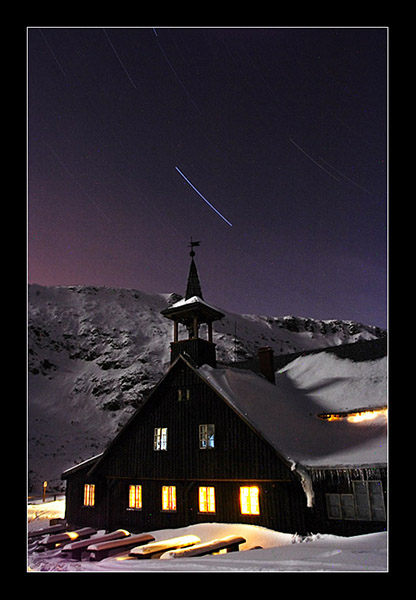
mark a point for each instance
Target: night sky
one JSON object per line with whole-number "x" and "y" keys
{"x": 283, "y": 131}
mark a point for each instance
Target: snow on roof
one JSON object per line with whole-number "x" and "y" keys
{"x": 285, "y": 414}
{"x": 81, "y": 465}
{"x": 339, "y": 384}
{"x": 192, "y": 300}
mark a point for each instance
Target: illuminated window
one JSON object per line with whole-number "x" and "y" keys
{"x": 249, "y": 500}
{"x": 135, "y": 496}
{"x": 89, "y": 494}
{"x": 206, "y": 436}
{"x": 207, "y": 499}
{"x": 168, "y": 497}
{"x": 160, "y": 438}
{"x": 355, "y": 417}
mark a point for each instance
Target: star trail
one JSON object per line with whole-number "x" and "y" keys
{"x": 281, "y": 132}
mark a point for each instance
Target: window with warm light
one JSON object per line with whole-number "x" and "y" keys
{"x": 249, "y": 500}
{"x": 135, "y": 497}
{"x": 206, "y": 436}
{"x": 89, "y": 494}
{"x": 160, "y": 438}
{"x": 168, "y": 497}
{"x": 207, "y": 499}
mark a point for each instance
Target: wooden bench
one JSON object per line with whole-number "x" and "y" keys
{"x": 110, "y": 548}
{"x": 59, "y": 539}
{"x": 75, "y": 549}
{"x": 47, "y": 531}
{"x": 155, "y": 549}
{"x": 229, "y": 544}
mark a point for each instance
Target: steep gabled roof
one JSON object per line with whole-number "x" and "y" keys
{"x": 285, "y": 415}
{"x": 136, "y": 415}
{"x": 201, "y": 373}
{"x": 85, "y": 464}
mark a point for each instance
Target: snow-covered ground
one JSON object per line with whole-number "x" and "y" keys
{"x": 280, "y": 552}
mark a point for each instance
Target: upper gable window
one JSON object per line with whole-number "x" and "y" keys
{"x": 160, "y": 438}
{"x": 184, "y": 394}
{"x": 206, "y": 436}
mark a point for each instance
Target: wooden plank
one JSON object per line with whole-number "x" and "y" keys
{"x": 75, "y": 549}
{"x": 161, "y": 546}
{"x": 230, "y": 543}
{"x": 53, "y": 541}
{"x": 109, "y": 548}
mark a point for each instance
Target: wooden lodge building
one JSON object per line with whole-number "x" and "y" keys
{"x": 218, "y": 444}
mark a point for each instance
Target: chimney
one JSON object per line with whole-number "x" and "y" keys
{"x": 266, "y": 362}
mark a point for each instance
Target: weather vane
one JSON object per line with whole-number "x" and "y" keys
{"x": 192, "y": 245}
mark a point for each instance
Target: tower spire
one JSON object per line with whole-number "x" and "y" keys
{"x": 193, "y": 287}
{"x": 191, "y": 313}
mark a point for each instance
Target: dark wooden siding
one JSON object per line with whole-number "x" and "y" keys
{"x": 76, "y": 513}
{"x": 240, "y": 457}
{"x": 239, "y": 452}
{"x": 282, "y": 505}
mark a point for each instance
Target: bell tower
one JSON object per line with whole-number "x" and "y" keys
{"x": 192, "y": 312}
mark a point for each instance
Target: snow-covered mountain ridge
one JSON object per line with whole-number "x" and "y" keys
{"x": 95, "y": 353}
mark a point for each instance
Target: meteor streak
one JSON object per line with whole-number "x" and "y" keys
{"x": 205, "y": 200}
{"x": 119, "y": 60}
{"x": 313, "y": 160}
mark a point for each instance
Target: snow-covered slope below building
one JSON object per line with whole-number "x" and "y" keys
{"x": 95, "y": 353}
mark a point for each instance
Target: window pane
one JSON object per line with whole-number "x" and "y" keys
{"x": 207, "y": 499}
{"x": 333, "y": 504}
{"x": 362, "y": 501}
{"x": 160, "y": 439}
{"x": 168, "y": 497}
{"x": 156, "y": 439}
{"x": 89, "y": 494}
{"x": 378, "y": 510}
{"x": 206, "y": 436}
{"x": 347, "y": 506}
{"x": 135, "y": 496}
{"x": 249, "y": 500}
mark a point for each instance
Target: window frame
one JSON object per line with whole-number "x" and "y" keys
{"x": 184, "y": 394}
{"x": 206, "y": 436}
{"x": 137, "y": 498}
{"x": 206, "y": 500}
{"x": 368, "y": 505}
{"x": 333, "y": 506}
{"x": 160, "y": 439}
{"x": 373, "y": 502}
{"x": 251, "y": 506}
{"x": 89, "y": 495}
{"x": 362, "y": 501}
{"x": 169, "y": 504}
